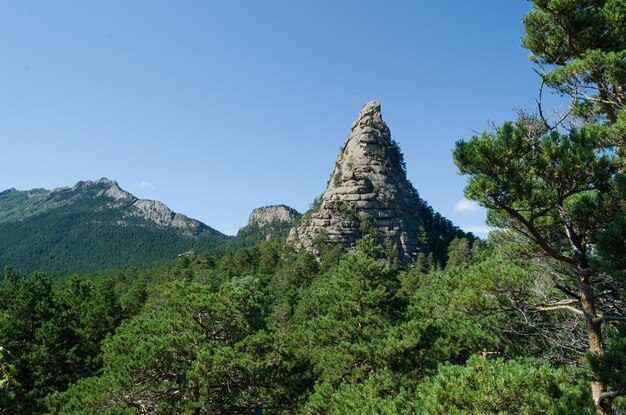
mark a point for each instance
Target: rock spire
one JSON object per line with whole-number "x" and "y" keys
{"x": 368, "y": 193}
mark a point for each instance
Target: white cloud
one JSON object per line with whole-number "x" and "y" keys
{"x": 478, "y": 230}
{"x": 466, "y": 207}
{"x": 145, "y": 185}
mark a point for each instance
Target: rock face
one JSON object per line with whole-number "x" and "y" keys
{"x": 267, "y": 222}
{"x": 368, "y": 193}
{"x": 268, "y": 215}
{"x": 150, "y": 210}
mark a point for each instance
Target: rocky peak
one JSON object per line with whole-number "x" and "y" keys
{"x": 370, "y": 117}
{"x": 114, "y": 191}
{"x": 118, "y": 198}
{"x": 88, "y": 183}
{"x": 267, "y": 222}
{"x": 368, "y": 193}
{"x": 7, "y": 191}
{"x": 162, "y": 216}
{"x": 268, "y": 215}
{"x": 107, "y": 182}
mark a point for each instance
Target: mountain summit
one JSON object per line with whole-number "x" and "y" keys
{"x": 368, "y": 193}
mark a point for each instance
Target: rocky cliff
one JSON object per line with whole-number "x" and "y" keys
{"x": 368, "y": 193}
{"x": 154, "y": 211}
{"x": 269, "y": 215}
{"x": 265, "y": 223}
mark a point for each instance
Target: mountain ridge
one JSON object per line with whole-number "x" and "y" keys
{"x": 92, "y": 225}
{"x": 152, "y": 210}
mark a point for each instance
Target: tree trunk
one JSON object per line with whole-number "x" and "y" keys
{"x": 596, "y": 344}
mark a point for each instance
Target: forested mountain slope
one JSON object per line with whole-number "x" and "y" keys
{"x": 92, "y": 225}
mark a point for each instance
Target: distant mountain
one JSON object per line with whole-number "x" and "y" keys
{"x": 92, "y": 225}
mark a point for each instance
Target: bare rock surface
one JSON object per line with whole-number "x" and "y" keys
{"x": 268, "y": 215}
{"x": 150, "y": 210}
{"x": 267, "y": 222}
{"x": 368, "y": 193}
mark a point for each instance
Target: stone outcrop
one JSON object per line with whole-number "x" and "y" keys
{"x": 269, "y": 215}
{"x": 150, "y": 210}
{"x": 368, "y": 193}
{"x": 162, "y": 216}
{"x": 267, "y": 222}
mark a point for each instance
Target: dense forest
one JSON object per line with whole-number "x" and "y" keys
{"x": 267, "y": 327}
{"x": 531, "y": 321}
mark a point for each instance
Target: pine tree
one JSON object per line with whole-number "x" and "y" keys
{"x": 559, "y": 193}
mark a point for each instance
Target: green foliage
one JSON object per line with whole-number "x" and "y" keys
{"x": 53, "y": 333}
{"x": 464, "y": 308}
{"x": 31, "y": 330}
{"x": 437, "y": 233}
{"x": 514, "y": 169}
{"x": 544, "y": 185}
{"x": 149, "y": 360}
{"x": 13, "y": 202}
{"x": 340, "y": 320}
{"x": 337, "y": 179}
{"x": 262, "y": 327}
{"x": 503, "y": 387}
{"x": 199, "y": 344}
{"x": 6, "y": 372}
{"x": 459, "y": 252}
{"x": 378, "y": 394}
{"x": 610, "y": 367}
{"x": 368, "y": 225}
{"x": 563, "y": 195}
{"x": 560, "y": 195}
{"x": 389, "y": 152}
{"x": 580, "y": 46}
{"x": 611, "y": 246}
{"x": 59, "y": 242}
{"x": 254, "y": 233}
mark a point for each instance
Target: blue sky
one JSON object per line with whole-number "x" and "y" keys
{"x": 218, "y": 107}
